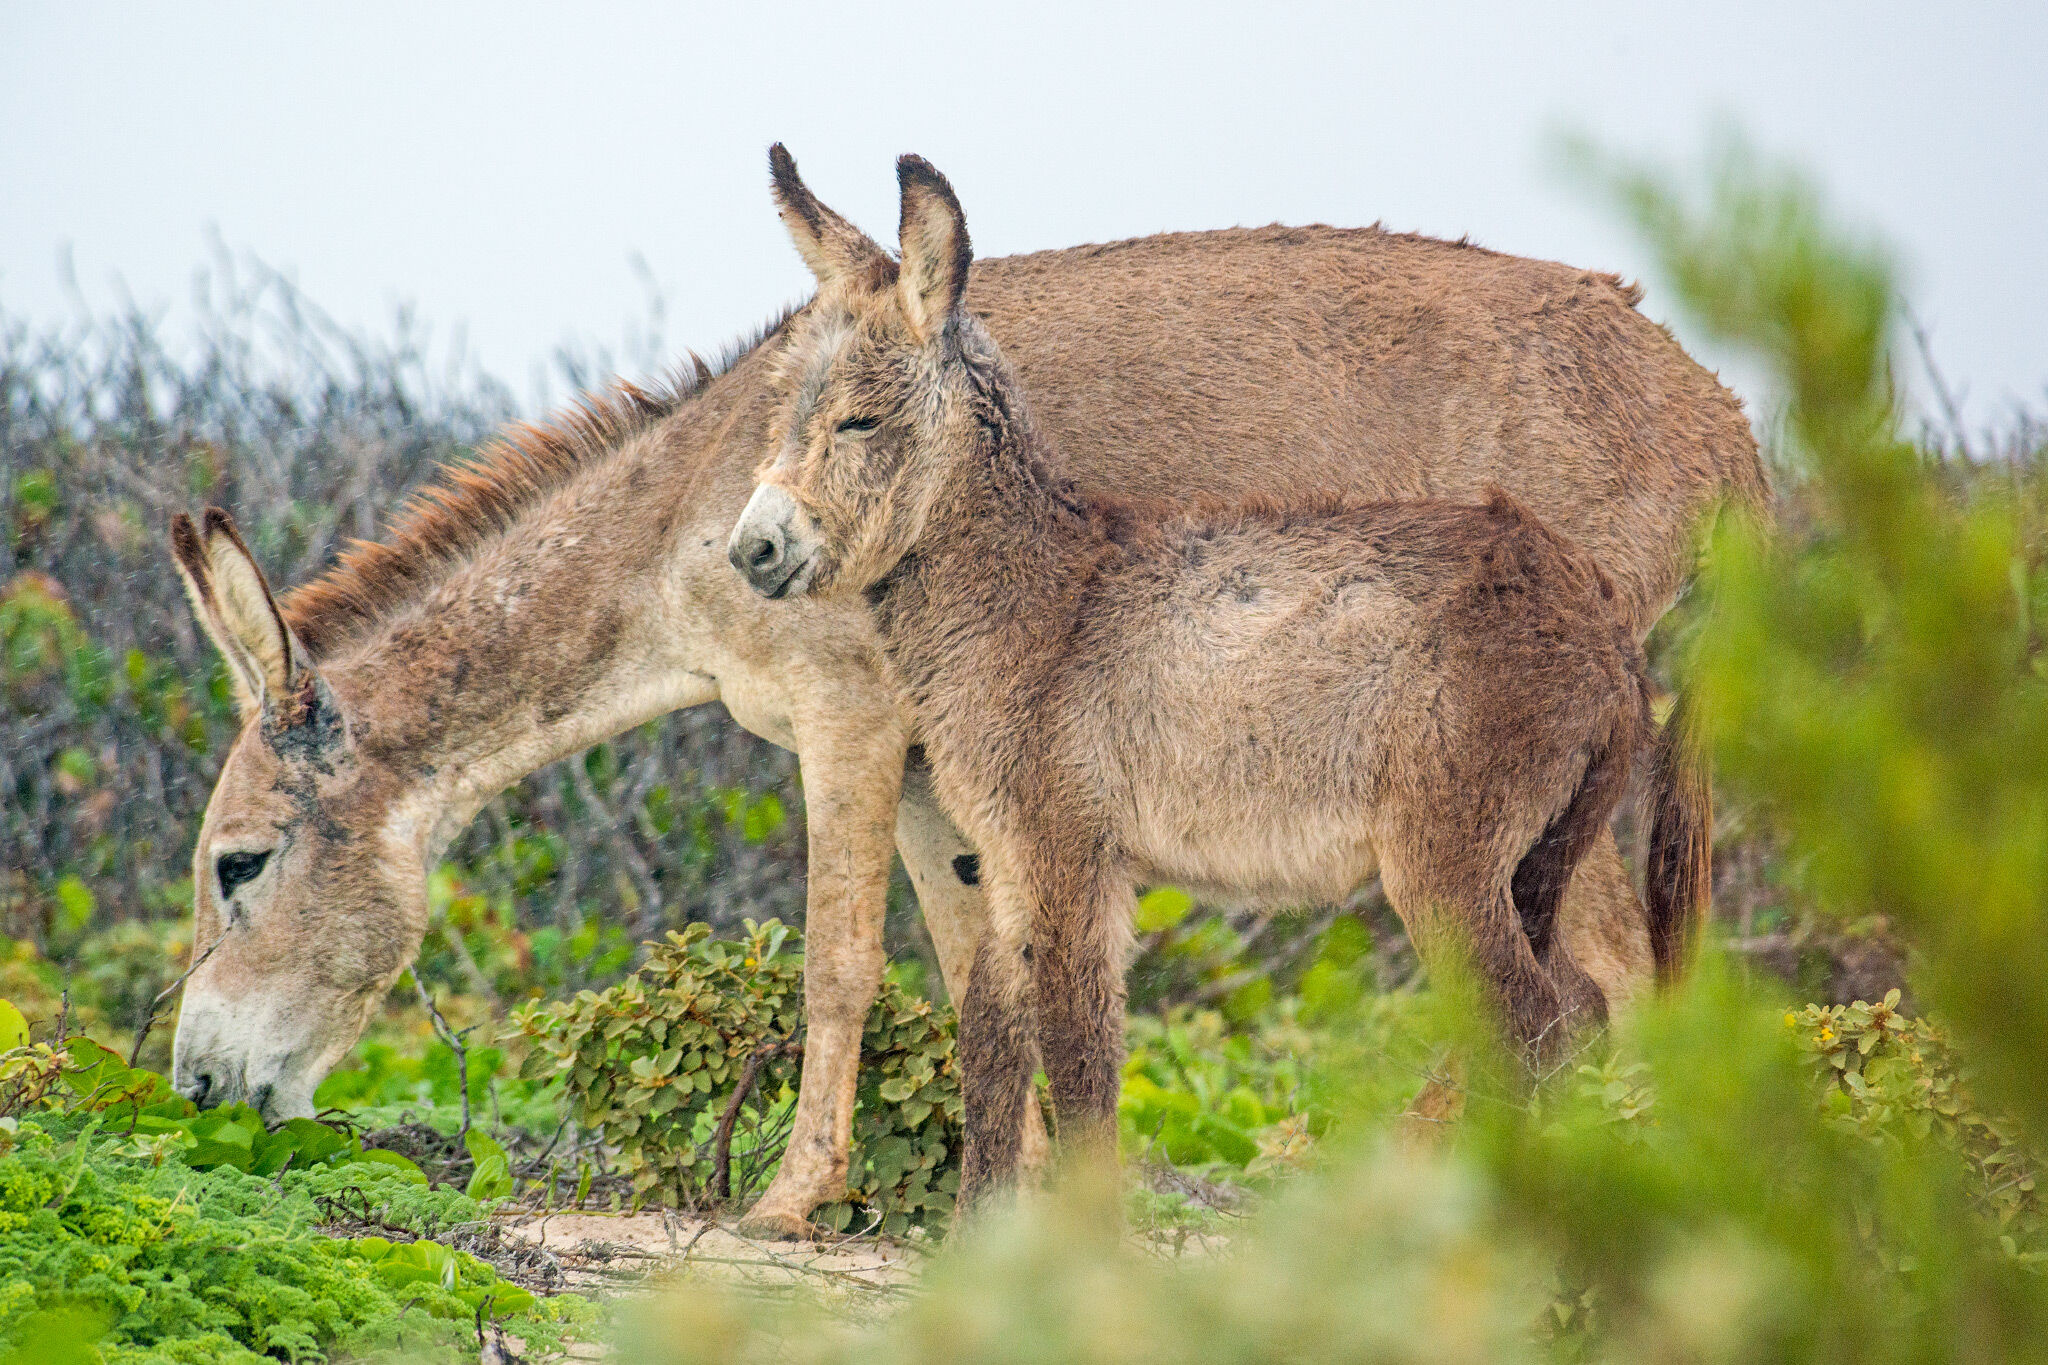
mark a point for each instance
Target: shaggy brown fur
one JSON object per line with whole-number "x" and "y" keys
{"x": 583, "y": 589}
{"x": 1268, "y": 698}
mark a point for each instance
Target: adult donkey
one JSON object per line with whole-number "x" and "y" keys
{"x": 572, "y": 583}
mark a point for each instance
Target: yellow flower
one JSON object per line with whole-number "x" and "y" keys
{"x": 750, "y": 962}
{"x": 1790, "y": 1019}
{"x": 1826, "y": 1034}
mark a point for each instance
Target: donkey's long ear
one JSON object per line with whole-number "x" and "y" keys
{"x": 936, "y": 252}
{"x": 832, "y": 247}
{"x": 235, "y": 605}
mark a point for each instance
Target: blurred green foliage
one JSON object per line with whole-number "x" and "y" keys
{"x": 1879, "y": 684}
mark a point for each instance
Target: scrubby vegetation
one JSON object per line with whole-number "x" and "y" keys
{"x": 687, "y": 1072}
{"x": 1824, "y": 1147}
{"x": 133, "y": 1229}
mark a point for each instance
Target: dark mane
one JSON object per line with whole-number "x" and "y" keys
{"x": 469, "y": 501}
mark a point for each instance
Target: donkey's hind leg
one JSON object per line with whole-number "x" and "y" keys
{"x": 1456, "y": 918}
{"x": 1606, "y": 927}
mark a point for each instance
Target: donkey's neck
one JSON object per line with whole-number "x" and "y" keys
{"x": 996, "y": 582}
{"x": 547, "y": 640}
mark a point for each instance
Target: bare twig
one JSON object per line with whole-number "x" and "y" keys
{"x": 637, "y": 871}
{"x": 478, "y": 982}
{"x": 455, "y": 1044}
{"x": 1951, "y": 406}
{"x": 721, "y": 1137}
{"x": 156, "y": 1005}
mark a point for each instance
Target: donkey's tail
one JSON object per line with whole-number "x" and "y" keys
{"x": 1679, "y": 880}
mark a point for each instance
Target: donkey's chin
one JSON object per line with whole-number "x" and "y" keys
{"x": 287, "y": 1099}
{"x": 274, "y": 1087}
{"x": 220, "y": 1056}
{"x": 799, "y": 583}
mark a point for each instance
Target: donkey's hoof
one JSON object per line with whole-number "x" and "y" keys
{"x": 779, "y": 1225}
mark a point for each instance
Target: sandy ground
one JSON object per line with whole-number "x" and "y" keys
{"x": 615, "y": 1255}
{"x": 607, "y": 1253}
{"x": 626, "y": 1254}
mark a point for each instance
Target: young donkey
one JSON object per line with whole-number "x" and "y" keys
{"x": 1257, "y": 698}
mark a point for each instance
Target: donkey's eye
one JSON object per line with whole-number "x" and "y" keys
{"x": 238, "y": 869}
{"x": 858, "y": 424}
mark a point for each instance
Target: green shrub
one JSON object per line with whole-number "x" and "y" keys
{"x": 1896, "y": 1079}
{"x": 1218, "y": 1100}
{"x": 1879, "y": 686}
{"x": 651, "y": 1066}
{"x": 144, "y": 1230}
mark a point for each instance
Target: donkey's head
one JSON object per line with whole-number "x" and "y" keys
{"x": 880, "y": 397}
{"x": 308, "y": 899}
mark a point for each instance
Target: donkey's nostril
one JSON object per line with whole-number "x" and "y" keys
{"x": 201, "y": 1087}
{"x": 760, "y": 548}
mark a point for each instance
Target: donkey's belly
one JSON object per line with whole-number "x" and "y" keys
{"x": 1314, "y": 858}
{"x": 1253, "y": 822}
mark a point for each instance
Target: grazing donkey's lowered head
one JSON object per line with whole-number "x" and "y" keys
{"x": 301, "y": 925}
{"x": 883, "y": 334}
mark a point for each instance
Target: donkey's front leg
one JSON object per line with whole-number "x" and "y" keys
{"x": 1080, "y": 949}
{"x": 852, "y": 774}
{"x": 946, "y": 873}
{"x": 995, "y": 1055}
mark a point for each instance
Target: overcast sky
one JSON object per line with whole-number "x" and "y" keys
{"x": 498, "y": 165}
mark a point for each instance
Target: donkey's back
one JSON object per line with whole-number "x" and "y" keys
{"x": 1381, "y": 365}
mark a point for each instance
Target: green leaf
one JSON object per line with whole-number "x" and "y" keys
{"x": 1162, "y": 908}
{"x": 208, "y": 1154}
{"x": 13, "y": 1027}
{"x": 377, "y": 1156}
{"x": 492, "y": 1178}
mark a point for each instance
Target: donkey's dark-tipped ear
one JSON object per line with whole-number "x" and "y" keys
{"x": 832, "y": 247}
{"x": 936, "y": 252}
{"x": 238, "y": 611}
{"x": 188, "y": 551}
